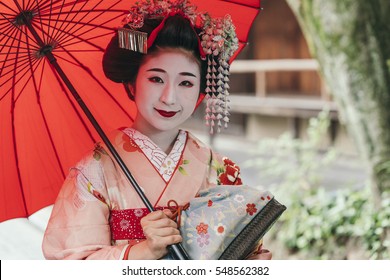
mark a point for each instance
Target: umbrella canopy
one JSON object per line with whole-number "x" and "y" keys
{"x": 43, "y": 132}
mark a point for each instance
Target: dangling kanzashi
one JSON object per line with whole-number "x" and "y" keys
{"x": 218, "y": 42}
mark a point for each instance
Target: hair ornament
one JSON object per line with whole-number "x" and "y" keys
{"x": 217, "y": 43}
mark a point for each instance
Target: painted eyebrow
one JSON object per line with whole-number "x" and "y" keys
{"x": 187, "y": 74}
{"x": 163, "y": 71}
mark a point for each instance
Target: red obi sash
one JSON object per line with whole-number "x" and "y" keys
{"x": 126, "y": 223}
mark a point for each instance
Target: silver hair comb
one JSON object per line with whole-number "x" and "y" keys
{"x": 133, "y": 40}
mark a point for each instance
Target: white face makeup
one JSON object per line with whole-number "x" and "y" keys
{"x": 167, "y": 89}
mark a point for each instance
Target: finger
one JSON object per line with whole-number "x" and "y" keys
{"x": 159, "y": 244}
{"x": 161, "y": 232}
{"x": 164, "y": 241}
{"x": 264, "y": 254}
{"x": 168, "y": 213}
{"x": 153, "y": 216}
{"x": 161, "y": 223}
{"x": 157, "y": 216}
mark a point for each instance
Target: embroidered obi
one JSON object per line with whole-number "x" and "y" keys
{"x": 126, "y": 223}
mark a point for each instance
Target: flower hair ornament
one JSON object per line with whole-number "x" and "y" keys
{"x": 217, "y": 43}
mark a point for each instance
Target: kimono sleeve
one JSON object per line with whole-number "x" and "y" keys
{"x": 79, "y": 224}
{"x": 223, "y": 171}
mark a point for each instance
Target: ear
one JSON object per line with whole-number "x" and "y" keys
{"x": 131, "y": 87}
{"x": 129, "y": 90}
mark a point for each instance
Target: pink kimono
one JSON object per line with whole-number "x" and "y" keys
{"x": 97, "y": 212}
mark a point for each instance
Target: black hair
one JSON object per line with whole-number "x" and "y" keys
{"x": 121, "y": 65}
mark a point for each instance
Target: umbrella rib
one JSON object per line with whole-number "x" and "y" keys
{"x": 12, "y": 38}
{"x": 70, "y": 23}
{"x": 100, "y": 26}
{"x": 69, "y": 42}
{"x": 47, "y": 126}
{"x": 50, "y": 18}
{"x": 56, "y": 27}
{"x": 26, "y": 70}
{"x": 62, "y": 24}
{"x": 15, "y": 143}
{"x": 47, "y": 4}
{"x": 14, "y": 32}
{"x": 97, "y": 15}
{"x": 5, "y": 21}
{"x": 17, "y": 27}
{"x": 80, "y": 40}
{"x": 66, "y": 21}
{"x": 26, "y": 83}
{"x": 51, "y": 15}
{"x": 15, "y": 83}
{"x": 37, "y": 7}
{"x": 101, "y": 85}
{"x": 60, "y": 82}
{"x": 19, "y": 61}
{"x": 32, "y": 73}
{"x": 111, "y": 11}
{"x": 28, "y": 6}
{"x": 14, "y": 52}
{"x": 89, "y": 23}
{"x": 5, "y": 5}
{"x": 38, "y": 98}
{"x": 20, "y": 66}
{"x": 34, "y": 5}
{"x": 75, "y": 12}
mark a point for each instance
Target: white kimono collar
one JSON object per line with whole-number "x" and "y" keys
{"x": 165, "y": 164}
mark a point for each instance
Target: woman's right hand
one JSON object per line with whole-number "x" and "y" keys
{"x": 160, "y": 231}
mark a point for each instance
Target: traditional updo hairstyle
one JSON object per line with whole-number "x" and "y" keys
{"x": 122, "y": 65}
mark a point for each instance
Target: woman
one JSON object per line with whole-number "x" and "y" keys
{"x": 97, "y": 214}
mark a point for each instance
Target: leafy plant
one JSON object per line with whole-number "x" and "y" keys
{"x": 320, "y": 223}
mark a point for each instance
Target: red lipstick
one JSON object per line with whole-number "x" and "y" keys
{"x": 166, "y": 114}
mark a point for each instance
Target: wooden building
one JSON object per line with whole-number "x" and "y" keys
{"x": 275, "y": 84}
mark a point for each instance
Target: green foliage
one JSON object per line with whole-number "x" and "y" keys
{"x": 322, "y": 223}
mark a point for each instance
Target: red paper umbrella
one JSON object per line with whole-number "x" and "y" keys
{"x": 50, "y": 55}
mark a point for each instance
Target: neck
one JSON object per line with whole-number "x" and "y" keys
{"x": 164, "y": 139}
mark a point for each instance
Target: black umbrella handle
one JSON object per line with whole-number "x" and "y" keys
{"x": 176, "y": 249}
{"x": 178, "y": 252}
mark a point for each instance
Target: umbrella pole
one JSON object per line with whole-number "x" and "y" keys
{"x": 176, "y": 249}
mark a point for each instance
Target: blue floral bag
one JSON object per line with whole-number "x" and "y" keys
{"x": 226, "y": 222}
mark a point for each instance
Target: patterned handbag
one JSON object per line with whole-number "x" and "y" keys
{"x": 226, "y": 222}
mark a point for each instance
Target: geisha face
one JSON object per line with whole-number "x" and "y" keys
{"x": 166, "y": 90}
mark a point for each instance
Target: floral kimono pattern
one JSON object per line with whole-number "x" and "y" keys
{"x": 216, "y": 216}
{"x": 97, "y": 207}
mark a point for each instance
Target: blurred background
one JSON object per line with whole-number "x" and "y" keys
{"x": 292, "y": 130}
